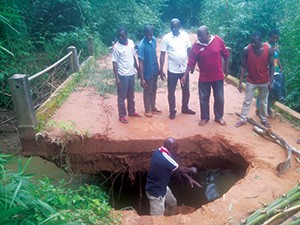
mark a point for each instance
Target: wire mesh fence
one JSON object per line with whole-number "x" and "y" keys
{"x": 41, "y": 89}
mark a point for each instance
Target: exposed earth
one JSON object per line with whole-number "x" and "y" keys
{"x": 113, "y": 146}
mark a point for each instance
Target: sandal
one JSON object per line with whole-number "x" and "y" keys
{"x": 221, "y": 121}
{"x": 202, "y": 122}
{"x": 123, "y": 120}
{"x": 266, "y": 124}
{"x": 156, "y": 111}
{"x": 240, "y": 123}
{"x": 148, "y": 114}
{"x": 135, "y": 114}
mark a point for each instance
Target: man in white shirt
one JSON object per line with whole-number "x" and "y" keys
{"x": 177, "y": 45}
{"x": 125, "y": 66}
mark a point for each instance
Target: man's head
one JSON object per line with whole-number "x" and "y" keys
{"x": 203, "y": 34}
{"x": 171, "y": 144}
{"x": 256, "y": 39}
{"x": 273, "y": 36}
{"x": 122, "y": 36}
{"x": 148, "y": 32}
{"x": 175, "y": 26}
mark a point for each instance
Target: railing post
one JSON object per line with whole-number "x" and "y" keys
{"x": 73, "y": 59}
{"x": 91, "y": 46}
{"x": 21, "y": 93}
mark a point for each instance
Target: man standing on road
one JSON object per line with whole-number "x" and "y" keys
{"x": 177, "y": 44}
{"x": 208, "y": 52}
{"x": 125, "y": 66}
{"x": 148, "y": 65}
{"x": 161, "y": 168}
{"x": 258, "y": 59}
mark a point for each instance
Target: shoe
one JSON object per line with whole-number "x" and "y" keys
{"x": 148, "y": 114}
{"x": 123, "y": 120}
{"x": 240, "y": 123}
{"x": 172, "y": 116}
{"x": 202, "y": 123}
{"x": 221, "y": 121}
{"x": 188, "y": 111}
{"x": 157, "y": 111}
{"x": 266, "y": 124}
{"x": 135, "y": 114}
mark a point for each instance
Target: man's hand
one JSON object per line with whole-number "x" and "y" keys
{"x": 193, "y": 169}
{"x": 270, "y": 86}
{"x": 143, "y": 83}
{"x": 240, "y": 88}
{"x": 118, "y": 82}
{"x": 162, "y": 75}
{"x": 182, "y": 80}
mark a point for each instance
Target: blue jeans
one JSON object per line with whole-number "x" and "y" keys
{"x": 172, "y": 83}
{"x": 263, "y": 98}
{"x": 204, "y": 89}
{"x": 126, "y": 91}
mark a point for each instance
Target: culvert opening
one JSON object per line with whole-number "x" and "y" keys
{"x": 217, "y": 177}
{"x": 127, "y": 195}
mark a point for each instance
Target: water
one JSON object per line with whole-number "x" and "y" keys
{"x": 128, "y": 195}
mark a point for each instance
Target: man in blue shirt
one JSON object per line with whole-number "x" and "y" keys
{"x": 158, "y": 179}
{"x": 148, "y": 66}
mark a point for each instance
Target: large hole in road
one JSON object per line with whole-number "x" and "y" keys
{"x": 220, "y": 165}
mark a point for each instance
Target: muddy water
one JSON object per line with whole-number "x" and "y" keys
{"x": 38, "y": 168}
{"x": 126, "y": 194}
{"x": 215, "y": 182}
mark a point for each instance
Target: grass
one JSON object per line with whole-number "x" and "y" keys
{"x": 26, "y": 201}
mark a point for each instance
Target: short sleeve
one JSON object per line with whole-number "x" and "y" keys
{"x": 141, "y": 52}
{"x": 164, "y": 45}
{"x": 115, "y": 54}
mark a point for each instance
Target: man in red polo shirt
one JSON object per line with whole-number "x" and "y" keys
{"x": 258, "y": 59}
{"x": 208, "y": 52}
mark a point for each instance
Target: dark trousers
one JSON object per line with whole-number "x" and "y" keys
{"x": 172, "y": 83}
{"x": 126, "y": 91}
{"x": 150, "y": 94}
{"x": 204, "y": 89}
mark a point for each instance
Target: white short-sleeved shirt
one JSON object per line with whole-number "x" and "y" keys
{"x": 123, "y": 56}
{"x": 176, "y": 48}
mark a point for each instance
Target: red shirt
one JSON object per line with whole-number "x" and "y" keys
{"x": 209, "y": 59}
{"x": 258, "y": 66}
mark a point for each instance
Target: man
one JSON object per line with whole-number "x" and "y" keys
{"x": 277, "y": 92}
{"x": 177, "y": 44}
{"x": 258, "y": 59}
{"x": 148, "y": 66}
{"x": 161, "y": 168}
{"x": 208, "y": 52}
{"x": 124, "y": 66}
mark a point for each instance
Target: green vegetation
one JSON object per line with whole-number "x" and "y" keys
{"x": 26, "y": 201}
{"x": 37, "y": 33}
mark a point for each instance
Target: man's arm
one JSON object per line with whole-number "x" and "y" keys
{"x": 226, "y": 66}
{"x": 161, "y": 66}
{"x": 141, "y": 68}
{"x": 136, "y": 66}
{"x": 186, "y": 73}
{"x": 243, "y": 68}
{"x": 271, "y": 66}
{"x": 115, "y": 69}
{"x": 185, "y": 172}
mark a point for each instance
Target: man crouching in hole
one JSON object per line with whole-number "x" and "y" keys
{"x": 158, "y": 179}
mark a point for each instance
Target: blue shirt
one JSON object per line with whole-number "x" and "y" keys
{"x": 147, "y": 53}
{"x": 162, "y": 165}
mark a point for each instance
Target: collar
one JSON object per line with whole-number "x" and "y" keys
{"x": 212, "y": 37}
{"x": 165, "y": 150}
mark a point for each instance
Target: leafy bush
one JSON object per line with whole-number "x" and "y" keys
{"x": 25, "y": 201}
